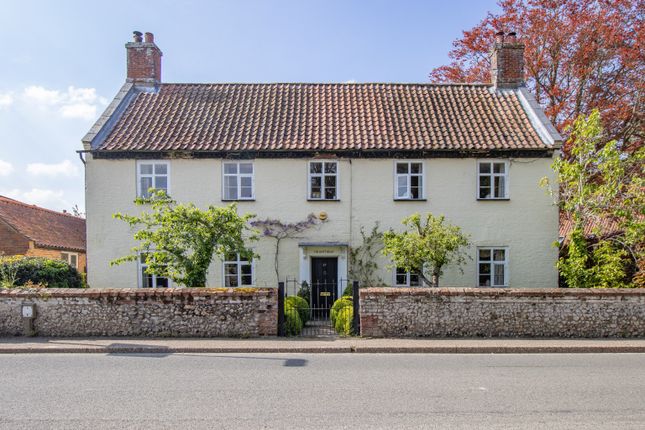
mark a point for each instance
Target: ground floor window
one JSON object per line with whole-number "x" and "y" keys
{"x": 238, "y": 271}
{"x": 147, "y": 280}
{"x": 492, "y": 265}
{"x": 70, "y": 258}
{"x": 406, "y": 279}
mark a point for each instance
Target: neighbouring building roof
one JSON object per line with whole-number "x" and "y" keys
{"x": 46, "y": 228}
{"x": 600, "y": 226}
{"x": 320, "y": 117}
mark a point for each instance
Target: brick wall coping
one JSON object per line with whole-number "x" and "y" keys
{"x": 130, "y": 293}
{"x": 506, "y": 292}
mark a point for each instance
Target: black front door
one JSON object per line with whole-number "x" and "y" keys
{"x": 324, "y": 287}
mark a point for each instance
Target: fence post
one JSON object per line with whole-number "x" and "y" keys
{"x": 356, "y": 324}
{"x": 280, "y": 308}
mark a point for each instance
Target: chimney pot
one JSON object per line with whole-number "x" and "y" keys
{"x": 136, "y": 36}
{"x": 499, "y": 37}
{"x": 150, "y": 38}
{"x": 511, "y": 37}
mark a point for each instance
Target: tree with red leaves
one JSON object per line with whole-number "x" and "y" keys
{"x": 580, "y": 55}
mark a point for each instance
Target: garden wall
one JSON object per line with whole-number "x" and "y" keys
{"x": 472, "y": 312}
{"x": 199, "y": 312}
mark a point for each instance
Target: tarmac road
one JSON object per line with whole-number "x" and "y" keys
{"x": 322, "y": 391}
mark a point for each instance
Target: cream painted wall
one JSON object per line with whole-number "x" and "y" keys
{"x": 527, "y": 223}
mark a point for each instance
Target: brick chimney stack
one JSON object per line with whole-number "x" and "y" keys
{"x": 144, "y": 60}
{"x": 507, "y": 61}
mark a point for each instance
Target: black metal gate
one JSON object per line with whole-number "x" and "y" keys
{"x": 308, "y": 310}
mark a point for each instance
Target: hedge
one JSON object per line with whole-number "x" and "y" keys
{"x": 19, "y": 271}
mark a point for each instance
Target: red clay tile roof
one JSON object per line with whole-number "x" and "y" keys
{"x": 45, "y": 227}
{"x": 319, "y": 117}
{"x": 603, "y": 226}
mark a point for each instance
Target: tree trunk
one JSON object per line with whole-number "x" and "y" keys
{"x": 435, "y": 279}
{"x": 275, "y": 261}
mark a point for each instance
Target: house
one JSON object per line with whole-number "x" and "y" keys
{"x": 354, "y": 154}
{"x": 38, "y": 232}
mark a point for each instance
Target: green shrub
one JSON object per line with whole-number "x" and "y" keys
{"x": 305, "y": 291}
{"x": 348, "y": 291}
{"x": 43, "y": 271}
{"x": 292, "y": 322}
{"x": 344, "y": 318}
{"x": 301, "y": 305}
{"x": 338, "y": 305}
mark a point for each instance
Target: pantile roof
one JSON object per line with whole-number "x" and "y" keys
{"x": 322, "y": 117}
{"x": 605, "y": 226}
{"x": 45, "y": 227}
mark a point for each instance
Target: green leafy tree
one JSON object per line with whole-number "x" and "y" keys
{"x": 599, "y": 181}
{"x": 180, "y": 240}
{"x": 427, "y": 247}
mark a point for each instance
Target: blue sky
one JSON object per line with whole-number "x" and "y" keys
{"x": 62, "y": 61}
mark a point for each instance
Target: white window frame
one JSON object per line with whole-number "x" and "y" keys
{"x": 140, "y": 267}
{"x": 493, "y": 263}
{"x": 408, "y": 278}
{"x": 153, "y": 175}
{"x": 422, "y": 175}
{"x": 67, "y": 257}
{"x": 322, "y": 176}
{"x": 239, "y": 263}
{"x": 492, "y": 175}
{"x": 239, "y": 179}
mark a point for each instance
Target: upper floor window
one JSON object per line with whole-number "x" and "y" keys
{"x": 492, "y": 179}
{"x": 238, "y": 181}
{"x": 152, "y": 175}
{"x": 148, "y": 280}
{"x": 492, "y": 267}
{"x": 323, "y": 180}
{"x": 238, "y": 272}
{"x": 406, "y": 279}
{"x": 408, "y": 181}
{"x": 70, "y": 258}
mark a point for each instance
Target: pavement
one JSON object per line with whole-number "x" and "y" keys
{"x": 15, "y": 345}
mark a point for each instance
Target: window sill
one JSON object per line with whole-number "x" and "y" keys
{"x": 410, "y": 200}
{"x": 494, "y": 200}
{"x": 238, "y": 200}
{"x": 323, "y": 200}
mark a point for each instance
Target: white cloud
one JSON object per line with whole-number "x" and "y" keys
{"x": 81, "y": 103}
{"x": 52, "y": 199}
{"x": 6, "y": 100}
{"x": 5, "y": 168}
{"x": 79, "y": 110}
{"x": 42, "y": 96}
{"x": 351, "y": 81}
{"x": 64, "y": 168}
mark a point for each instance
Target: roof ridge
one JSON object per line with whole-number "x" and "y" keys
{"x": 425, "y": 84}
{"x": 32, "y": 206}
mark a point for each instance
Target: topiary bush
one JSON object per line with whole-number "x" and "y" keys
{"x": 41, "y": 271}
{"x": 292, "y": 322}
{"x": 338, "y": 306}
{"x": 301, "y": 305}
{"x": 344, "y": 318}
